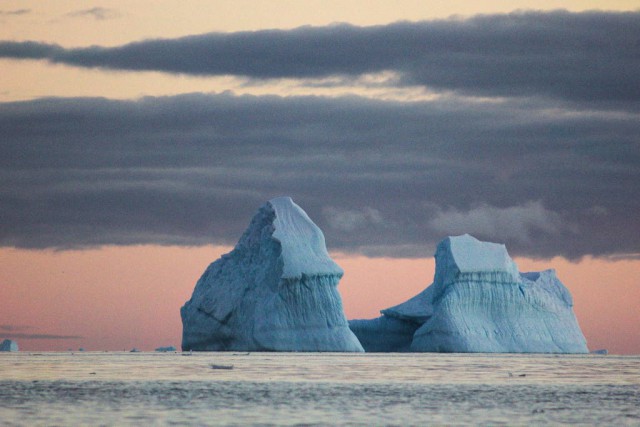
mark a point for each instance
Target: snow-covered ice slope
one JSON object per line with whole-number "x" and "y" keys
{"x": 276, "y": 291}
{"x": 479, "y": 302}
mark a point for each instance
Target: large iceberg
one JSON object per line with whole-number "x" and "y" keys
{"x": 276, "y": 291}
{"x": 8, "y": 345}
{"x": 479, "y": 302}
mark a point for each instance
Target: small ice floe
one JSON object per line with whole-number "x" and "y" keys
{"x": 602, "y": 351}
{"x": 134, "y": 350}
{"x": 8, "y": 345}
{"x": 166, "y": 349}
{"x": 214, "y": 366}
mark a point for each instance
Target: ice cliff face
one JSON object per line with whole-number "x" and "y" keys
{"x": 479, "y": 302}
{"x": 276, "y": 291}
{"x": 8, "y": 345}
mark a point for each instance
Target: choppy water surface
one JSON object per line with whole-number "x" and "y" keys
{"x": 318, "y": 388}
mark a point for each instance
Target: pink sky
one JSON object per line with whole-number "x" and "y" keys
{"x": 117, "y": 298}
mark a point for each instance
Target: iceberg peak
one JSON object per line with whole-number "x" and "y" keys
{"x": 303, "y": 246}
{"x": 460, "y": 255}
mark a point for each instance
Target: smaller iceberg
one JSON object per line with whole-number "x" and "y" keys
{"x": 166, "y": 349}
{"x": 478, "y": 303}
{"x": 9, "y": 345}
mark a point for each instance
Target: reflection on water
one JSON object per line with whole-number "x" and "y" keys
{"x": 317, "y": 388}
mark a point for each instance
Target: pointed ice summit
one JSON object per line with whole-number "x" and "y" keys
{"x": 276, "y": 291}
{"x": 479, "y": 303}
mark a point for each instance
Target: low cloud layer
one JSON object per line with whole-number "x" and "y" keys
{"x": 17, "y": 332}
{"x": 14, "y": 328}
{"x": 589, "y": 59}
{"x": 15, "y": 12}
{"x": 20, "y": 336}
{"x": 379, "y": 177}
{"x": 515, "y": 223}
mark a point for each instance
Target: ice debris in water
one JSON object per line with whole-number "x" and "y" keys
{"x": 478, "y": 302}
{"x": 8, "y": 345}
{"x": 276, "y": 291}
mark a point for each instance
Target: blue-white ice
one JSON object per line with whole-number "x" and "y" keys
{"x": 479, "y": 302}
{"x": 304, "y": 251}
{"x": 276, "y": 291}
{"x": 8, "y": 345}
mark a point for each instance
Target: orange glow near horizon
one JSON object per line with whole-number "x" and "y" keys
{"x": 118, "y": 298}
{"x": 115, "y": 298}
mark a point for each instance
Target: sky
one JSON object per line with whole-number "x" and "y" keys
{"x": 137, "y": 140}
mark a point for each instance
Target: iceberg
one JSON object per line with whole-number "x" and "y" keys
{"x": 479, "y": 303}
{"x": 8, "y": 345}
{"x": 275, "y": 291}
{"x": 166, "y": 349}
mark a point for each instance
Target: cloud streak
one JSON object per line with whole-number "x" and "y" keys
{"x": 14, "y": 328}
{"x": 20, "y": 336}
{"x": 589, "y": 59}
{"x": 97, "y": 13}
{"x": 16, "y": 332}
{"x": 379, "y": 177}
{"x": 15, "y": 12}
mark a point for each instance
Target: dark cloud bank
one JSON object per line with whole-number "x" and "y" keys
{"x": 555, "y": 173}
{"x": 591, "y": 57}
{"x": 383, "y": 178}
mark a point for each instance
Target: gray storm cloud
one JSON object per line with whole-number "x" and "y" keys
{"x": 590, "y": 59}
{"x": 533, "y": 140}
{"x": 380, "y": 177}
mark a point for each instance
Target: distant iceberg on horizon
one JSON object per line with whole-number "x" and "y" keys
{"x": 275, "y": 291}
{"x": 478, "y": 303}
{"x": 8, "y": 345}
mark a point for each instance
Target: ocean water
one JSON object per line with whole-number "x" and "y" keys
{"x": 317, "y": 389}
